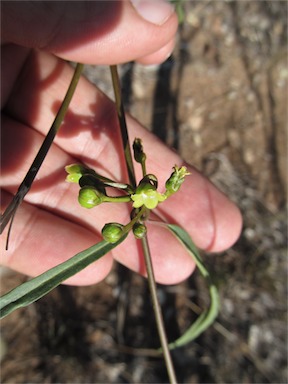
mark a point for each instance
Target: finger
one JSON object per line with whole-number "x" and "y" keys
{"x": 40, "y": 240}
{"x": 91, "y": 134}
{"x": 92, "y": 32}
{"x": 52, "y": 193}
{"x": 12, "y": 60}
{"x": 157, "y": 57}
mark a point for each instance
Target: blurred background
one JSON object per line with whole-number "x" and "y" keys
{"x": 221, "y": 101}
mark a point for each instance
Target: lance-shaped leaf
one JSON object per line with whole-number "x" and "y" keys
{"x": 39, "y": 286}
{"x": 209, "y": 315}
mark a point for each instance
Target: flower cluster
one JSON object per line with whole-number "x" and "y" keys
{"x": 143, "y": 198}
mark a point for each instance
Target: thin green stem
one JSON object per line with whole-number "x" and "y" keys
{"x": 117, "y": 199}
{"x": 143, "y": 166}
{"x": 33, "y": 170}
{"x": 135, "y": 219}
{"x": 123, "y": 125}
{"x": 145, "y": 245}
{"x": 157, "y": 311}
{"x": 123, "y": 187}
{"x": 112, "y": 183}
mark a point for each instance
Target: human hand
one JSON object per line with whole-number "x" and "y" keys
{"x": 50, "y": 226}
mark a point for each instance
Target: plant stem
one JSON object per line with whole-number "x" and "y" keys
{"x": 117, "y": 199}
{"x": 123, "y": 125}
{"x": 157, "y": 311}
{"x": 144, "y": 241}
{"x": 143, "y": 166}
{"x": 33, "y": 170}
{"x": 129, "y": 226}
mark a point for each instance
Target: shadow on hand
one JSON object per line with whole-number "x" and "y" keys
{"x": 58, "y": 26}
{"x": 90, "y": 21}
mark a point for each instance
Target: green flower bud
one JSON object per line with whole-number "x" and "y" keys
{"x": 112, "y": 232}
{"x": 176, "y": 179}
{"x": 73, "y": 178}
{"x": 75, "y": 172}
{"x": 89, "y": 197}
{"x": 139, "y": 230}
{"x": 149, "y": 179}
{"x": 139, "y": 154}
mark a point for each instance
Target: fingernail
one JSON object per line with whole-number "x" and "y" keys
{"x": 154, "y": 11}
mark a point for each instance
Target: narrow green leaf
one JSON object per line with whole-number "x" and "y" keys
{"x": 39, "y": 286}
{"x": 209, "y": 315}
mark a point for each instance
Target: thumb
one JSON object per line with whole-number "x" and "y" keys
{"x": 92, "y": 32}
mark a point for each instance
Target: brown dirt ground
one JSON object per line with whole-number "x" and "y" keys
{"x": 220, "y": 101}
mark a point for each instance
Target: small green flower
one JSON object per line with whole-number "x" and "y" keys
{"x": 112, "y": 232}
{"x": 176, "y": 179}
{"x": 89, "y": 197}
{"x": 139, "y": 230}
{"x": 148, "y": 196}
{"x": 75, "y": 172}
